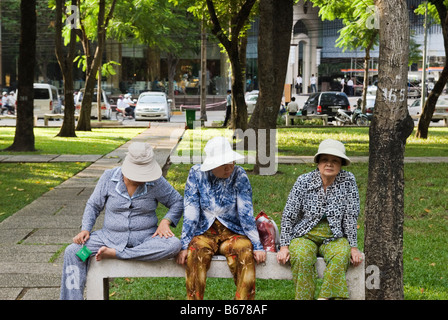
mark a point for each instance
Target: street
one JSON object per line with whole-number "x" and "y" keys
{"x": 178, "y": 116}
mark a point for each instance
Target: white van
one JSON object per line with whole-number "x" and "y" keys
{"x": 46, "y": 99}
{"x": 106, "y": 111}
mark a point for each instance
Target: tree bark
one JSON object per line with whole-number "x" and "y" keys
{"x": 273, "y": 52}
{"x": 430, "y": 104}
{"x": 24, "y": 134}
{"x": 390, "y": 127}
{"x": 65, "y": 61}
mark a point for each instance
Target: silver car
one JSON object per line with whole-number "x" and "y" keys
{"x": 440, "y": 113}
{"x": 153, "y": 106}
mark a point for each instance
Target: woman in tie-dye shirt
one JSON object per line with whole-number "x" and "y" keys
{"x": 219, "y": 219}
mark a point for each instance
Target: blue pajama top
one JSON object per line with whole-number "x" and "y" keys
{"x": 129, "y": 219}
{"x": 207, "y": 198}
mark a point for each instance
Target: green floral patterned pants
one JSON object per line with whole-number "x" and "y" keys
{"x": 303, "y": 255}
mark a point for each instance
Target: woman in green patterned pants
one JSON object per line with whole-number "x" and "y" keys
{"x": 320, "y": 218}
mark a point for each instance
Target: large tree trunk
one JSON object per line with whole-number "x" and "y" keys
{"x": 430, "y": 104}
{"x": 390, "y": 127}
{"x": 273, "y": 51}
{"x": 24, "y": 135}
{"x": 66, "y": 64}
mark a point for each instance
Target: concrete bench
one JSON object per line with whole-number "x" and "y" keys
{"x": 97, "y": 285}
{"x": 48, "y": 116}
{"x": 322, "y": 117}
{"x": 7, "y": 116}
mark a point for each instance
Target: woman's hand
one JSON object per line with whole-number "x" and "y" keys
{"x": 355, "y": 256}
{"x": 182, "y": 257}
{"x": 260, "y": 256}
{"x": 283, "y": 255}
{"x": 164, "y": 229}
{"x": 81, "y": 237}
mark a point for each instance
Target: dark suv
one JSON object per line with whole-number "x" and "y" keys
{"x": 326, "y": 103}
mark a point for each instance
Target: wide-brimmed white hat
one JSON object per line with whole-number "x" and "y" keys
{"x": 332, "y": 147}
{"x": 218, "y": 152}
{"x": 140, "y": 164}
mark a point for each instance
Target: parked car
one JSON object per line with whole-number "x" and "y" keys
{"x": 251, "y": 100}
{"x": 326, "y": 103}
{"x": 440, "y": 112}
{"x": 106, "y": 110}
{"x": 153, "y": 105}
{"x": 46, "y": 99}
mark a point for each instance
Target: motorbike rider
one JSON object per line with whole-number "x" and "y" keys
{"x": 129, "y": 105}
{"x": 6, "y": 103}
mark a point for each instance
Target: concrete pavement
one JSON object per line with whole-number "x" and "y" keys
{"x": 32, "y": 240}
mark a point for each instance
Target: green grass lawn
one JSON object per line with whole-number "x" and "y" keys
{"x": 97, "y": 141}
{"x": 305, "y": 141}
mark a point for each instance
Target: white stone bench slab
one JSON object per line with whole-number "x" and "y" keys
{"x": 97, "y": 285}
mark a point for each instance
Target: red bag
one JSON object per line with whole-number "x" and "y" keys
{"x": 268, "y": 231}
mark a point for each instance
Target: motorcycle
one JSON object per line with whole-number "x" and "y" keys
{"x": 7, "y": 110}
{"x": 344, "y": 117}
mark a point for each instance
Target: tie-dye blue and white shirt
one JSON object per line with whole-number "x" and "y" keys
{"x": 207, "y": 198}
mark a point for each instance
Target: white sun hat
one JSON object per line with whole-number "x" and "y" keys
{"x": 218, "y": 152}
{"x": 332, "y": 147}
{"x": 140, "y": 164}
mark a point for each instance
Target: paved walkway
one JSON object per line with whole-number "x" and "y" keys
{"x": 36, "y": 234}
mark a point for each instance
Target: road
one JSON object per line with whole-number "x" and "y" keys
{"x": 180, "y": 117}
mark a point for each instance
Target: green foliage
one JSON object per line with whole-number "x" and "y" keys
{"x": 156, "y": 23}
{"x": 356, "y": 15}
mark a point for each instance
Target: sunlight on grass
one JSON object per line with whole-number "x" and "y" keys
{"x": 305, "y": 141}
{"x": 22, "y": 183}
{"x": 97, "y": 141}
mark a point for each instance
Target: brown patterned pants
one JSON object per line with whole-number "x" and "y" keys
{"x": 239, "y": 254}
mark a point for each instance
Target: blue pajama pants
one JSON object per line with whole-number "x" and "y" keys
{"x": 74, "y": 272}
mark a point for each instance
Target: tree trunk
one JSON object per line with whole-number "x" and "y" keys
{"x": 273, "y": 52}
{"x": 24, "y": 134}
{"x": 172, "y": 62}
{"x": 94, "y": 64}
{"x": 231, "y": 45}
{"x": 390, "y": 127}
{"x": 366, "y": 74}
{"x": 66, "y": 64}
{"x": 430, "y": 104}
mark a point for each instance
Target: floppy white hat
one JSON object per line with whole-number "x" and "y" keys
{"x": 218, "y": 152}
{"x": 332, "y": 147}
{"x": 140, "y": 164}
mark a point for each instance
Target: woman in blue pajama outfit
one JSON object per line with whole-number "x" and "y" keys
{"x": 130, "y": 195}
